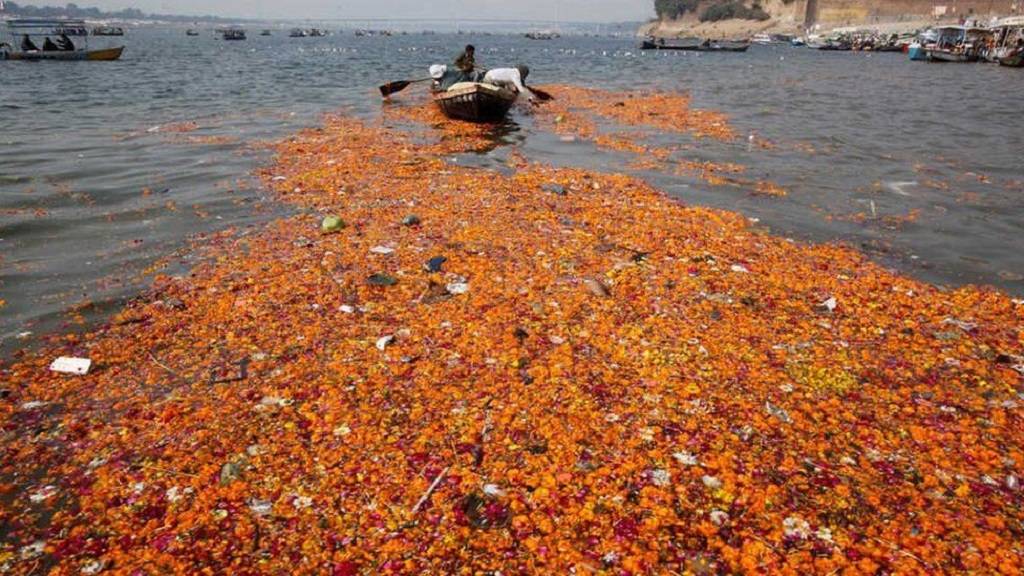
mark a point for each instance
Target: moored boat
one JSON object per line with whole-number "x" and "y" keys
{"x": 1013, "y": 61}
{"x": 690, "y": 43}
{"x": 108, "y": 31}
{"x": 1007, "y": 43}
{"x": 724, "y": 46}
{"x": 957, "y": 44}
{"x": 475, "y": 102}
{"x": 191, "y": 32}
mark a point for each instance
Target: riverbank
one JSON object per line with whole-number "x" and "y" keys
{"x": 523, "y": 369}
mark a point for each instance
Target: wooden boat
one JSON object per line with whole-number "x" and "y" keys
{"x": 191, "y": 32}
{"x": 691, "y": 43}
{"x": 105, "y": 55}
{"x": 475, "y": 102}
{"x": 266, "y": 33}
{"x": 298, "y": 33}
{"x": 724, "y": 46}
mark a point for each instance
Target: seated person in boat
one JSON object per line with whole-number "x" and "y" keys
{"x": 49, "y": 46}
{"x": 64, "y": 43}
{"x": 511, "y": 78}
{"x": 466, "y": 65}
{"x": 27, "y": 45}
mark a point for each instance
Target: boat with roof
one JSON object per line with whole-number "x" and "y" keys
{"x": 37, "y": 39}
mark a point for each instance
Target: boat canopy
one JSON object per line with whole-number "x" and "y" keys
{"x": 42, "y": 26}
{"x": 43, "y": 23}
{"x": 1011, "y": 21}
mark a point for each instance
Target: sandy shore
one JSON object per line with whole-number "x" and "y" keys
{"x": 528, "y": 370}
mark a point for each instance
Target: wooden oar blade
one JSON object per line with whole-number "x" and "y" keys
{"x": 393, "y": 87}
{"x": 541, "y": 94}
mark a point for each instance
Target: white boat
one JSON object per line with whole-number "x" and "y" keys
{"x": 957, "y": 44}
{"x": 762, "y": 38}
{"x": 1007, "y": 43}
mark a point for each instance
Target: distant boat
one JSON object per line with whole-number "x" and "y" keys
{"x": 234, "y": 34}
{"x": 725, "y": 46}
{"x": 108, "y": 31}
{"x": 265, "y": 33}
{"x": 690, "y": 43}
{"x": 316, "y": 33}
{"x": 191, "y": 32}
{"x": 545, "y": 35}
{"x": 298, "y": 33}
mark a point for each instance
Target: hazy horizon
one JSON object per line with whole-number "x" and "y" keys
{"x": 541, "y": 10}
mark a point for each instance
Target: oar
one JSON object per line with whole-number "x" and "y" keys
{"x": 395, "y": 87}
{"x": 540, "y": 94}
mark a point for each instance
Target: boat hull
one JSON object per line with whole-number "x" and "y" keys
{"x": 106, "y": 55}
{"x": 1015, "y": 61}
{"x": 475, "y": 102}
{"x": 937, "y": 55}
{"x": 917, "y": 52}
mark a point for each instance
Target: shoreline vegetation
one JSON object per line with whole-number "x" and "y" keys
{"x": 439, "y": 369}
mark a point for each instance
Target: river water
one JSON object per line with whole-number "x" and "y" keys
{"x": 105, "y": 167}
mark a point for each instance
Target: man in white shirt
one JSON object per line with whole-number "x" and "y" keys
{"x": 512, "y": 78}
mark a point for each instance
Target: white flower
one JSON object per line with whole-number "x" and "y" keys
{"x": 32, "y": 550}
{"x": 824, "y": 534}
{"x": 661, "y": 477}
{"x": 739, "y": 268}
{"x": 261, "y": 507}
{"x": 493, "y": 490}
{"x": 302, "y": 502}
{"x": 611, "y": 417}
{"x": 42, "y": 494}
{"x": 718, "y": 517}
{"x": 647, "y": 434}
{"x": 796, "y": 527}
{"x": 383, "y": 342}
{"x": 685, "y": 458}
{"x": 711, "y": 482}
{"x": 173, "y": 494}
{"x": 342, "y": 430}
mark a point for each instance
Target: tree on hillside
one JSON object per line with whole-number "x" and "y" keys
{"x": 671, "y": 9}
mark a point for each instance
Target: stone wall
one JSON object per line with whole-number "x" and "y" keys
{"x": 857, "y": 12}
